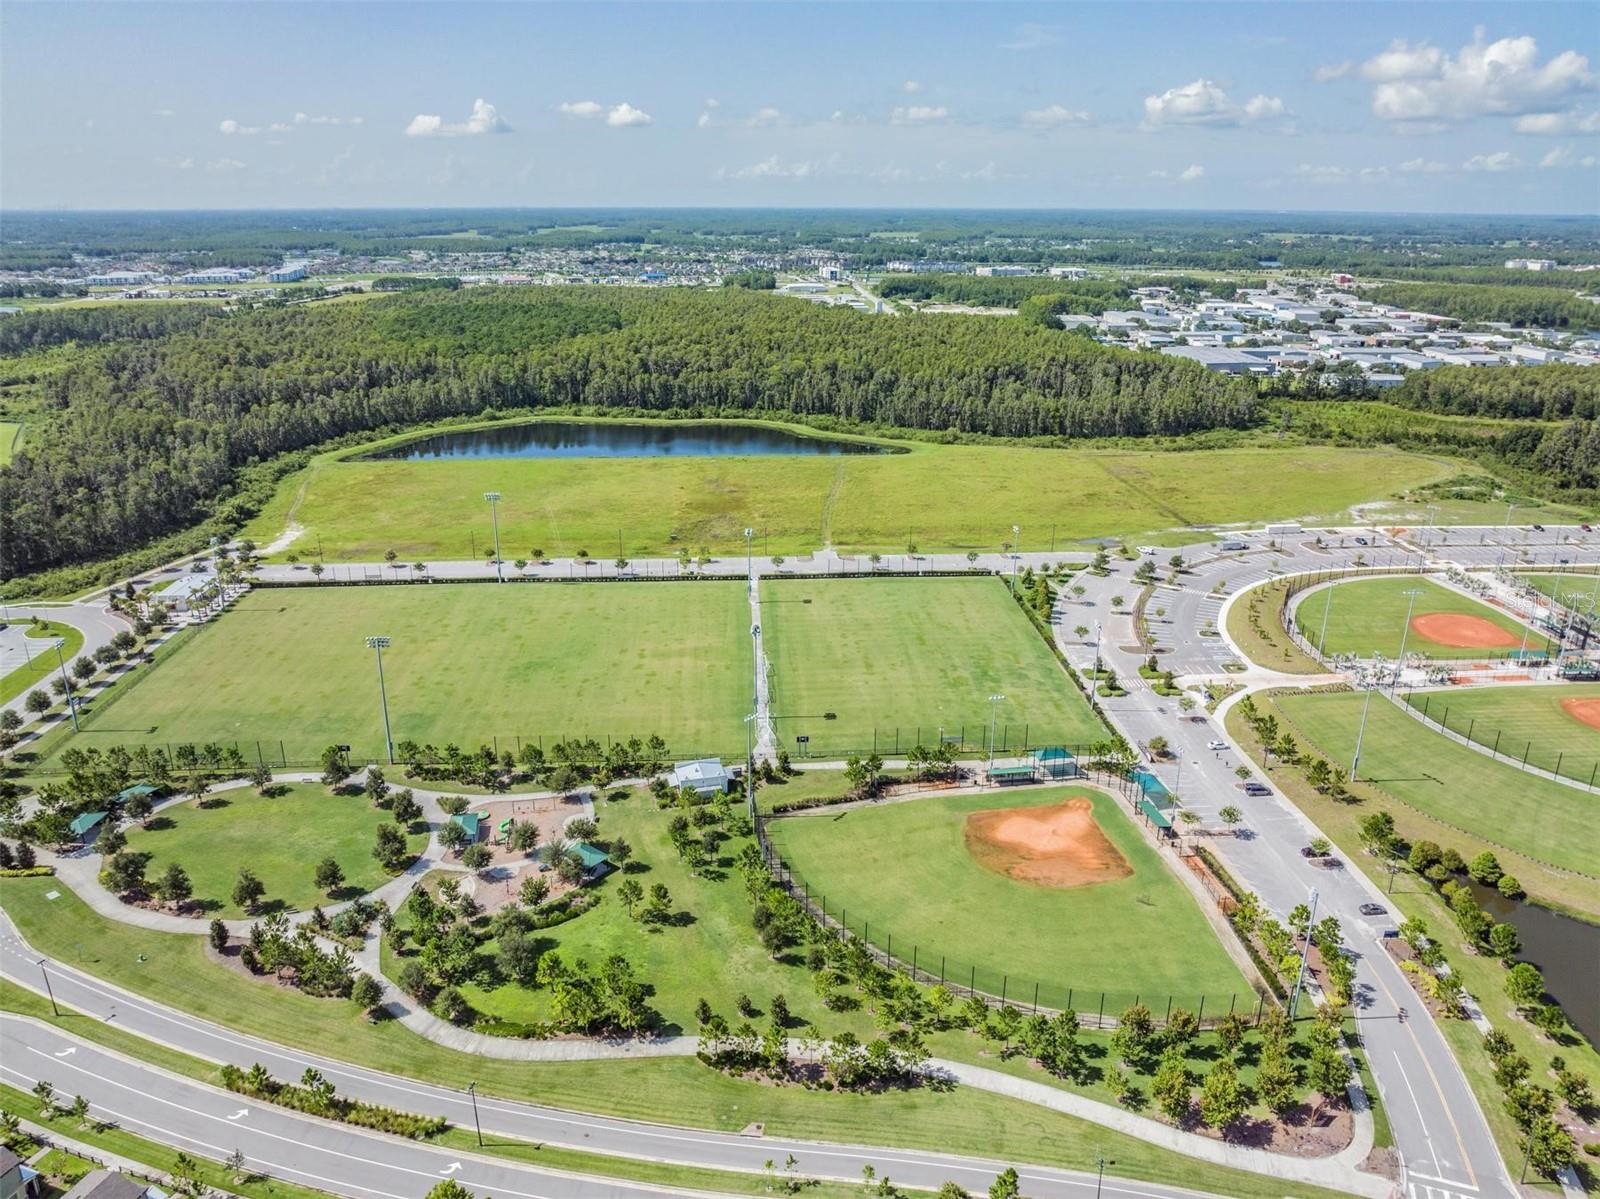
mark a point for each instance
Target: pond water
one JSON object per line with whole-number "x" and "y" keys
{"x": 606, "y": 439}
{"x": 1566, "y": 950}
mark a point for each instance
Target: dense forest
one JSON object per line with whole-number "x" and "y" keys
{"x": 1544, "y": 307}
{"x": 151, "y": 432}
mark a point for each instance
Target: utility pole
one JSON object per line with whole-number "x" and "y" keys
{"x": 1300, "y": 978}
{"x": 472, "y": 1089}
{"x": 1016, "y": 553}
{"x": 749, "y": 559}
{"x": 494, "y": 514}
{"x": 994, "y": 704}
{"x": 72, "y": 700}
{"x": 378, "y": 645}
{"x": 48, "y": 990}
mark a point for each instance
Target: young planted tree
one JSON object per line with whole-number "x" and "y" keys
{"x": 248, "y": 890}
{"x": 329, "y": 876}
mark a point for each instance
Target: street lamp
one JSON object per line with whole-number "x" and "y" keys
{"x": 1327, "y": 607}
{"x": 494, "y": 514}
{"x": 472, "y": 1089}
{"x": 1016, "y": 552}
{"x": 378, "y": 645}
{"x": 750, "y": 763}
{"x": 1300, "y": 978}
{"x": 72, "y": 702}
{"x": 749, "y": 561}
{"x": 1400, "y": 662}
{"x": 1360, "y": 733}
{"x": 994, "y": 704}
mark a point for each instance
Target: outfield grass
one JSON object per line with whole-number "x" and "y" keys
{"x": 1140, "y": 935}
{"x": 280, "y": 837}
{"x": 1369, "y": 616}
{"x": 44, "y": 665}
{"x": 913, "y": 659}
{"x": 468, "y": 663}
{"x": 1524, "y": 723}
{"x": 1462, "y": 788}
{"x": 941, "y": 497}
{"x": 174, "y": 970}
{"x": 1574, "y": 589}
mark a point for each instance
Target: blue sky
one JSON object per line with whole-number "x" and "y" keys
{"x": 1396, "y": 106}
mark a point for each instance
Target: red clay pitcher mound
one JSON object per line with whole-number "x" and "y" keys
{"x": 1584, "y": 711}
{"x": 1463, "y": 632}
{"x": 1055, "y": 846}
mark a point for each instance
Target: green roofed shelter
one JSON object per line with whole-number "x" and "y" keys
{"x": 471, "y": 821}
{"x": 1009, "y": 775}
{"x": 1056, "y": 761}
{"x": 594, "y": 860}
{"x": 1154, "y": 814}
{"x": 84, "y": 823}
{"x": 137, "y": 789}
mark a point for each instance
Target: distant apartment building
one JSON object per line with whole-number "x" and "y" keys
{"x": 121, "y": 279}
{"x": 290, "y": 272}
{"x": 1005, "y": 272}
{"x": 214, "y": 275}
{"x": 925, "y": 266}
{"x": 1530, "y": 264}
{"x": 1068, "y": 272}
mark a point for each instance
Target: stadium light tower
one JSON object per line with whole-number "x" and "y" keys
{"x": 1400, "y": 662}
{"x": 378, "y": 645}
{"x": 1016, "y": 552}
{"x": 72, "y": 700}
{"x": 994, "y": 704}
{"x": 494, "y": 514}
{"x": 749, "y": 559}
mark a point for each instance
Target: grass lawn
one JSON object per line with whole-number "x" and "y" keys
{"x": 10, "y": 439}
{"x": 468, "y": 664}
{"x": 913, "y": 658}
{"x": 1494, "y": 804}
{"x": 1369, "y": 616}
{"x": 1412, "y": 896}
{"x": 175, "y": 971}
{"x": 44, "y": 666}
{"x": 1525, "y": 723}
{"x": 281, "y": 837}
{"x": 803, "y": 784}
{"x": 904, "y": 869}
{"x": 1573, "y": 588}
{"x": 1254, "y": 627}
{"x": 941, "y": 497}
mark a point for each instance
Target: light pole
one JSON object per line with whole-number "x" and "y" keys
{"x": 50, "y": 991}
{"x": 994, "y": 705}
{"x": 378, "y": 645}
{"x": 1016, "y": 553}
{"x": 1360, "y": 733}
{"x": 749, "y": 560}
{"x": 72, "y": 702}
{"x": 1327, "y": 606}
{"x": 494, "y": 515}
{"x": 1300, "y": 978}
{"x": 750, "y": 764}
{"x": 472, "y": 1089}
{"x": 1400, "y": 662}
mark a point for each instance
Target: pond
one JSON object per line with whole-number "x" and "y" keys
{"x": 610, "y": 439}
{"x": 1566, "y": 950}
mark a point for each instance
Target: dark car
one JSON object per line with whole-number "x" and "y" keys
{"x": 1586, "y": 528}
{"x": 1362, "y": 541}
{"x": 1257, "y": 789}
{"x": 1373, "y": 909}
{"x": 1538, "y": 528}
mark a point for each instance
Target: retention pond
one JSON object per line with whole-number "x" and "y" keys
{"x": 615, "y": 439}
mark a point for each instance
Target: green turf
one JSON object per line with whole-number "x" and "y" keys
{"x": 10, "y": 440}
{"x": 44, "y": 665}
{"x": 280, "y": 837}
{"x": 903, "y": 869}
{"x": 940, "y": 497}
{"x": 174, "y": 970}
{"x": 1451, "y": 783}
{"x": 1576, "y": 590}
{"x": 1524, "y": 723}
{"x": 470, "y": 664}
{"x": 1369, "y": 615}
{"x": 912, "y": 659}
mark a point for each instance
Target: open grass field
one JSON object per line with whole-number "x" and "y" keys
{"x": 1369, "y": 615}
{"x": 1139, "y": 934}
{"x": 940, "y": 497}
{"x": 44, "y": 666}
{"x": 10, "y": 440}
{"x": 280, "y": 837}
{"x": 1556, "y": 728}
{"x": 174, "y": 970}
{"x": 468, "y": 663}
{"x": 921, "y": 656}
{"x": 1489, "y": 800}
{"x": 1574, "y": 589}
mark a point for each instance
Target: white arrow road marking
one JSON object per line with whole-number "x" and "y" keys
{"x": 451, "y": 1168}
{"x": 240, "y": 1114}
{"x": 67, "y": 1052}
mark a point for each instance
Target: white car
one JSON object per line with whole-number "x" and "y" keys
{"x": 1216, "y": 745}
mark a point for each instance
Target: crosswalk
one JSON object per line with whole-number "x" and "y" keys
{"x": 1437, "y": 1189}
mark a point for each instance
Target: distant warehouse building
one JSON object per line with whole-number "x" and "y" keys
{"x": 216, "y": 275}
{"x": 290, "y": 272}
{"x": 1224, "y": 361}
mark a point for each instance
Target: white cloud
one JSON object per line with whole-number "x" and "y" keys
{"x": 1192, "y": 173}
{"x": 279, "y": 127}
{"x": 303, "y": 118}
{"x": 764, "y": 117}
{"x": 1500, "y": 160}
{"x": 1033, "y": 36}
{"x": 1332, "y": 71}
{"x": 1424, "y": 166}
{"x": 164, "y": 112}
{"x": 1323, "y": 174}
{"x": 484, "y": 119}
{"x": 1559, "y": 122}
{"x": 1564, "y": 156}
{"x": 773, "y": 167}
{"x": 233, "y": 129}
{"x": 623, "y": 115}
{"x": 911, "y": 87}
{"x": 1205, "y": 103}
{"x": 1052, "y": 116}
{"x": 987, "y": 173}
{"x": 918, "y": 114}
{"x": 184, "y": 164}
{"x": 703, "y": 121}
{"x": 582, "y": 109}
{"x": 1505, "y": 77}
{"x": 225, "y": 165}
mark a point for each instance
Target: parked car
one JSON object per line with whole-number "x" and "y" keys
{"x": 1195, "y": 719}
{"x": 1214, "y": 744}
{"x": 1538, "y": 528}
{"x": 1362, "y": 541}
{"x": 1374, "y": 909}
{"x": 1257, "y": 789}
{"x": 1586, "y": 528}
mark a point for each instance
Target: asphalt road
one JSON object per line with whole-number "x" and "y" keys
{"x": 178, "y": 1111}
{"x": 1441, "y": 1132}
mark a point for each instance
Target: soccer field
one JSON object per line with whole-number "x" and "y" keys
{"x": 909, "y": 659}
{"x": 1455, "y": 785}
{"x": 1369, "y": 615}
{"x": 467, "y": 664}
{"x": 1552, "y": 727}
{"x": 905, "y": 871}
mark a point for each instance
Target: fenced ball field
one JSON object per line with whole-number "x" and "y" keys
{"x": 1368, "y": 616}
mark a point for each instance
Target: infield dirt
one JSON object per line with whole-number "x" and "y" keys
{"x": 1055, "y": 846}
